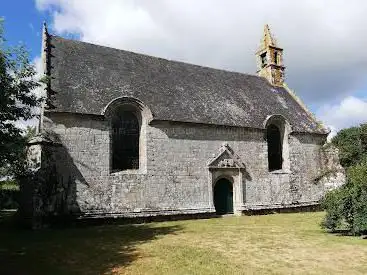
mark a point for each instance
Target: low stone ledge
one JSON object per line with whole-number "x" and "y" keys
{"x": 112, "y": 218}
{"x": 281, "y": 208}
{"x": 145, "y": 213}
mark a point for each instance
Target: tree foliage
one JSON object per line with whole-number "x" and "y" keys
{"x": 346, "y": 207}
{"x": 352, "y": 145}
{"x": 17, "y": 101}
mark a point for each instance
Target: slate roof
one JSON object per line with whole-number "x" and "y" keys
{"x": 86, "y": 77}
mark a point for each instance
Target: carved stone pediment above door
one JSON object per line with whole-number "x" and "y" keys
{"x": 227, "y": 165}
{"x": 226, "y": 158}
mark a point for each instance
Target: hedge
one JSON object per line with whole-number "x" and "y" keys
{"x": 9, "y": 194}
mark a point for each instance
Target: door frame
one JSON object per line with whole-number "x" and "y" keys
{"x": 235, "y": 176}
{"x": 229, "y": 182}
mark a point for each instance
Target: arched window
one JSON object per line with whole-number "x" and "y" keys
{"x": 274, "y": 139}
{"x": 125, "y": 140}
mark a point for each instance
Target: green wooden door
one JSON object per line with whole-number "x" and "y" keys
{"x": 230, "y": 200}
{"x": 223, "y": 197}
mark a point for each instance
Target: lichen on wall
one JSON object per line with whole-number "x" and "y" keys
{"x": 331, "y": 174}
{"x": 177, "y": 178}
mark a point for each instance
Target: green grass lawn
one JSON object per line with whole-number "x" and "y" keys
{"x": 272, "y": 244}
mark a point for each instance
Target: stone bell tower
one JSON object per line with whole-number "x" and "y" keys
{"x": 270, "y": 59}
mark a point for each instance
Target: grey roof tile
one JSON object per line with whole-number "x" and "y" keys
{"x": 86, "y": 77}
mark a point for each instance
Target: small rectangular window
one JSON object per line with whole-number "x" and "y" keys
{"x": 276, "y": 57}
{"x": 263, "y": 60}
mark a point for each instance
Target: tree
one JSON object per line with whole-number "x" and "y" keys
{"x": 17, "y": 102}
{"x": 346, "y": 207}
{"x": 30, "y": 132}
{"x": 352, "y": 145}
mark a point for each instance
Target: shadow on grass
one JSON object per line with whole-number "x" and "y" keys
{"x": 347, "y": 232}
{"x": 340, "y": 232}
{"x": 82, "y": 250}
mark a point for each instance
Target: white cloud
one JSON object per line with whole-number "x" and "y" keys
{"x": 351, "y": 111}
{"x": 37, "y": 62}
{"x": 322, "y": 38}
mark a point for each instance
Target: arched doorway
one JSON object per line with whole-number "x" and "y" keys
{"x": 223, "y": 196}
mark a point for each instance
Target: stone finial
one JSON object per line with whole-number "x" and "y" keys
{"x": 44, "y": 46}
{"x": 44, "y": 25}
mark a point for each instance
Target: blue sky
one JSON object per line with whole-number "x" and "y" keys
{"x": 23, "y": 23}
{"x": 323, "y": 46}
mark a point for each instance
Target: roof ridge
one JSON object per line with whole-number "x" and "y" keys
{"x": 157, "y": 57}
{"x": 86, "y": 77}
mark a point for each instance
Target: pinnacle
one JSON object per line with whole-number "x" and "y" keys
{"x": 268, "y": 39}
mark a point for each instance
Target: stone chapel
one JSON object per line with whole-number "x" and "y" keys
{"x": 124, "y": 134}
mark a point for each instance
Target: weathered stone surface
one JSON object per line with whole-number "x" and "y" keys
{"x": 333, "y": 174}
{"x": 184, "y": 147}
{"x": 177, "y": 177}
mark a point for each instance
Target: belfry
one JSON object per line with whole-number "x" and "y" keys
{"x": 270, "y": 59}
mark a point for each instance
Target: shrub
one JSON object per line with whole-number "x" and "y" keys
{"x": 9, "y": 194}
{"x": 346, "y": 207}
{"x": 332, "y": 205}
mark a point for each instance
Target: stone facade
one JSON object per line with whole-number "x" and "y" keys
{"x": 197, "y": 132}
{"x": 183, "y": 161}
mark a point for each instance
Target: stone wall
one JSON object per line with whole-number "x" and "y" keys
{"x": 48, "y": 188}
{"x": 175, "y": 178}
{"x": 332, "y": 174}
